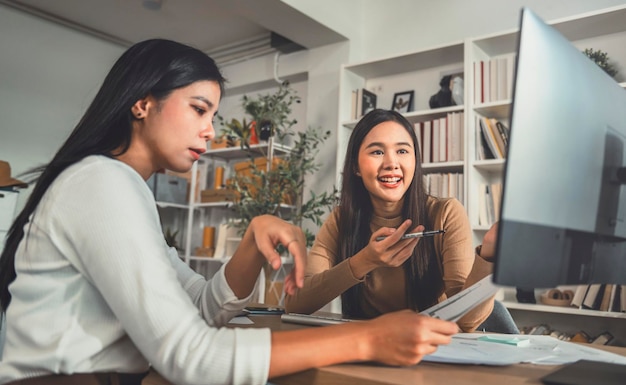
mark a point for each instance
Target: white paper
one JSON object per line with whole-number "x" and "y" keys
{"x": 465, "y": 348}
{"x": 456, "y": 306}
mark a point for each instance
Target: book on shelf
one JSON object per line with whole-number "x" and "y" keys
{"x": 419, "y": 132}
{"x": 503, "y": 131}
{"x": 486, "y": 82}
{"x": 449, "y": 137}
{"x": 435, "y": 184}
{"x": 489, "y": 204}
{"x": 493, "y": 79}
{"x": 457, "y": 136}
{"x": 478, "y": 81}
{"x": 490, "y": 140}
{"x": 502, "y": 85}
{"x": 593, "y": 297}
{"x": 497, "y": 137}
{"x": 490, "y": 198}
{"x": 603, "y": 339}
{"x": 453, "y": 187}
{"x": 482, "y": 208}
{"x": 615, "y": 298}
{"x": 444, "y": 185}
{"x": 483, "y": 216}
{"x": 500, "y": 135}
{"x": 579, "y": 296}
{"x": 480, "y": 143}
{"x": 444, "y": 188}
{"x": 496, "y": 196}
{"x": 353, "y": 105}
{"x": 428, "y": 142}
{"x": 622, "y": 298}
{"x": 435, "y": 138}
{"x": 605, "y": 302}
{"x": 443, "y": 139}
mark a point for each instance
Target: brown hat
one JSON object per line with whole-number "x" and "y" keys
{"x": 5, "y": 177}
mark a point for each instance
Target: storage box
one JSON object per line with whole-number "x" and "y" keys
{"x": 168, "y": 188}
{"x": 219, "y": 195}
{"x": 245, "y": 168}
{"x": 219, "y": 143}
{"x": 222, "y": 142}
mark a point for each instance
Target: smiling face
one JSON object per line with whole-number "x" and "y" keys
{"x": 172, "y": 133}
{"x": 386, "y": 164}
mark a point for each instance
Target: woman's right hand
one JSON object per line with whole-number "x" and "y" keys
{"x": 404, "y": 337}
{"x": 401, "y": 338}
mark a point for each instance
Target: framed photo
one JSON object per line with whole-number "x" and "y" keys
{"x": 403, "y": 101}
{"x": 368, "y": 101}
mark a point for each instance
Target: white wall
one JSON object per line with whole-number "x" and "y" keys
{"x": 387, "y": 28}
{"x": 379, "y": 28}
{"x": 48, "y": 75}
{"x": 320, "y": 67}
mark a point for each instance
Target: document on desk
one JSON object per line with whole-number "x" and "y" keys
{"x": 474, "y": 349}
{"x": 456, "y": 306}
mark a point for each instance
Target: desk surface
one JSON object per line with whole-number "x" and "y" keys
{"x": 425, "y": 373}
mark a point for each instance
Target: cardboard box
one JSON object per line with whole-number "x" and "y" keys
{"x": 219, "y": 195}
{"x": 222, "y": 142}
{"x": 245, "y": 168}
{"x": 219, "y": 143}
{"x": 168, "y": 188}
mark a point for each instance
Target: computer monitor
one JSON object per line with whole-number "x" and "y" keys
{"x": 563, "y": 213}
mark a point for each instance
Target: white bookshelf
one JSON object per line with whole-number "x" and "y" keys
{"x": 191, "y": 218}
{"x": 603, "y": 29}
{"x": 421, "y": 71}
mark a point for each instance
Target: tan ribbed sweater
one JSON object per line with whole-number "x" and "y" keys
{"x": 384, "y": 288}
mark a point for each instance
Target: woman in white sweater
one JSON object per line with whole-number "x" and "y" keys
{"x": 90, "y": 290}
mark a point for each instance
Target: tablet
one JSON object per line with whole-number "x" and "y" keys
{"x": 316, "y": 319}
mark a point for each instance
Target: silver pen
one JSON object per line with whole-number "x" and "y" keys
{"x": 416, "y": 235}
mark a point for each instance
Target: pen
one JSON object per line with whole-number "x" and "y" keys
{"x": 416, "y": 235}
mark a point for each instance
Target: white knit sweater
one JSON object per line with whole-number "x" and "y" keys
{"x": 98, "y": 289}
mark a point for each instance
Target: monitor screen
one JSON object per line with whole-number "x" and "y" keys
{"x": 563, "y": 214}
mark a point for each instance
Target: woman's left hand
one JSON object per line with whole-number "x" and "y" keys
{"x": 488, "y": 249}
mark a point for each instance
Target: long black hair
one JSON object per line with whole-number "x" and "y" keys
{"x": 424, "y": 282}
{"x": 153, "y": 67}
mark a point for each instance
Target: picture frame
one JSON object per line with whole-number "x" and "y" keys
{"x": 368, "y": 101}
{"x": 403, "y": 101}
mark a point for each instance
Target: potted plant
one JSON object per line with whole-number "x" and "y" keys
{"x": 269, "y": 116}
{"x": 602, "y": 60}
{"x": 277, "y": 189}
{"x": 267, "y": 190}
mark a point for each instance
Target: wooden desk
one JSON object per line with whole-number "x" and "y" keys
{"x": 425, "y": 373}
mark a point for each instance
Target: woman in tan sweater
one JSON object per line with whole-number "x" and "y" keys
{"x": 383, "y": 195}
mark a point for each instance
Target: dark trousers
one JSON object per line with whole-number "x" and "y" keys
{"x": 84, "y": 379}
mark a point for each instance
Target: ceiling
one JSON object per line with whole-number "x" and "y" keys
{"x": 229, "y": 30}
